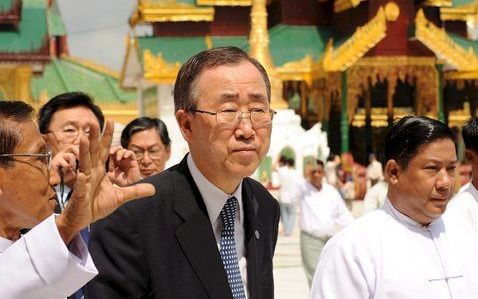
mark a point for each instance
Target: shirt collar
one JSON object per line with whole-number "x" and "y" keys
{"x": 404, "y": 219}
{"x": 214, "y": 198}
{"x": 4, "y": 244}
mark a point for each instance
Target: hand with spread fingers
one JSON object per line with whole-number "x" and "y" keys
{"x": 64, "y": 164}
{"x": 94, "y": 196}
{"x": 123, "y": 168}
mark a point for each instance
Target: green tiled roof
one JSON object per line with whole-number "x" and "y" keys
{"x": 464, "y": 42}
{"x": 63, "y": 75}
{"x": 237, "y": 41}
{"x": 56, "y": 27}
{"x": 287, "y": 43}
{"x": 6, "y": 5}
{"x": 34, "y": 3}
{"x": 192, "y": 2}
{"x": 32, "y": 31}
{"x": 456, "y": 3}
{"x": 174, "y": 49}
{"x": 292, "y": 42}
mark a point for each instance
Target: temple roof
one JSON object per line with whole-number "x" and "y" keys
{"x": 72, "y": 74}
{"x": 56, "y": 27}
{"x": 6, "y": 5}
{"x": 32, "y": 32}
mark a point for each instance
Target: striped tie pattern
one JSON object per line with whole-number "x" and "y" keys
{"x": 228, "y": 249}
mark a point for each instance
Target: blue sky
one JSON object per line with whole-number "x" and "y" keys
{"x": 97, "y": 29}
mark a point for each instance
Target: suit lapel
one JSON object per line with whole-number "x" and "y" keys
{"x": 254, "y": 234}
{"x": 196, "y": 236}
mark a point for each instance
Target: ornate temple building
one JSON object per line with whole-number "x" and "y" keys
{"x": 352, "y": 65}
{"x": 35, "y": 65}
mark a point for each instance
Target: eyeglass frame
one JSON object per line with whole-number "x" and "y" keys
{"x": 48, "y": 154}
{"x": 240, "y": 114}
{"x": 142, "y": 153}
{"x": 77, "y": 134}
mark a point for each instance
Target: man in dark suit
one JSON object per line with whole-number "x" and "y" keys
{"x": 210, "y": 231}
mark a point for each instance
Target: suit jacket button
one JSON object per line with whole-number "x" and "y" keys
{"x": 256, "y": 233}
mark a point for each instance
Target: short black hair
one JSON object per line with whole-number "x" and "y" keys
{"x": 66, "y": 101}
{"x": 11, "y": 112}
{"x": 319, "y": 162}
{"x": 407, "y": 135}
{"x": 145, "y": 123}
{"x": 470, "y": 134}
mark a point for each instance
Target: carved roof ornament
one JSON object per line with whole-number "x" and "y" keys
{"x": 364, "y": 38}
{"x": 437, "y": 40}
{"x": 306, "y": 69}
{"x": 341, "y": 5}
{"x": 259, "y": 49}
{"x": 149, "y": 11}
{"x": 224, "y": 2}
{"x": 157, "y": 69}
{"x": 464, "y": 13}
{"x": 438, "y": 3}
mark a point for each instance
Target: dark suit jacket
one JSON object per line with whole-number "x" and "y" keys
{"x": 164, "y": 246}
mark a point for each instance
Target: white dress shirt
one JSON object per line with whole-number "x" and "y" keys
{"x": 464, "y": 206}
{"x": 215, "y": 199}
{"x": 375, "y": 197}
{"x": 322, "y": 212}
{"x": 291, "y": 183}
{"x": 387, "y": 255}
{"x": 39, "y": 265}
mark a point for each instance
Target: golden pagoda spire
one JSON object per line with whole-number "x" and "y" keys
{"x": 259, "y": 49}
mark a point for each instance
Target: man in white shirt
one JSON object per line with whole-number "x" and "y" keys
{"x": 464, "y": 205}
{"x": 375, "y": 197}
{"x": 406, "y": 249}
{"x": 290, "y": 189}
{"x": 322, "y": 213}
{"x": 374, "y": 171}
{"x": 51, "y": 260}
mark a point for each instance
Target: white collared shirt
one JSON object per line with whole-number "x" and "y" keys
{"x": 464, "y": 206}
{"x": 387, "y": 255}
{"x": 215, "y": 199}
{"x": 322, "y": 212}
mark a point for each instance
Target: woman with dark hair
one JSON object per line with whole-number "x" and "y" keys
{"x": 148, "y": 138}
{"x": 406, "y": 249}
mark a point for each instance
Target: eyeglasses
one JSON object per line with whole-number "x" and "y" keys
{"x": 154, "y": 154}
{"x": 45, "y": 158}
{"x": 232, "y": 117}
{"x": 71, "y": 132}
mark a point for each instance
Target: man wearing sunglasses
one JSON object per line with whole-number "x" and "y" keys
{"x": 51, "y": 260}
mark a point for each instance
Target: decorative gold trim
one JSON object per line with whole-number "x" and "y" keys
{"x": 224, "y": 2}
{"x": 458, "y": 118}
{"x": 208, "y": 41}
{"x": 342, "y": 5}
{"x": 438, "y": 3}
{"x": 396, "y": 61}
{"x": 169, "y": 11}
{"x": 438, "y": 41}
{"x": 92, "y": 65}
{"x": 364, "y": 38}
{"x": 461, "y": 13}
{"x": 461, "y": 75}
{"x": 305, "y": 69}
{"x": 131, "y": 44}
{"x": 392, "y": 11}
{"x": 158, "y": 70}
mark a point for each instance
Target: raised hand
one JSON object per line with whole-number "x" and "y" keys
{"x": 123, "y": 168}
{"x": 64, "y": 164}
{"x": 94, "y": 196}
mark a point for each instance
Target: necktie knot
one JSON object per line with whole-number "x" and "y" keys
{"x": 228, "y": 212}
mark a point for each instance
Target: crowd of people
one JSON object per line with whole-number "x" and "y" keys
{"x": 80, "y": 218}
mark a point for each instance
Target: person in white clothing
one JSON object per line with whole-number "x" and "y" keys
{"x": 290, "y": 188}
{"x": 374, "y": 171}
{"x": 406, "y": 249}
{"x": 464, "y": 205}
{"x": 375, "y": 197}
{"x": 322, "y": 213}
{"x": 50, "y": 261}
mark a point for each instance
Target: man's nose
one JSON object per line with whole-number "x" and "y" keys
{"x": 445, "y": 180}
{"x": 244, "y": 128}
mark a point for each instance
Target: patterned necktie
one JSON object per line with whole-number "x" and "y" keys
{"x": 228, "y": 249}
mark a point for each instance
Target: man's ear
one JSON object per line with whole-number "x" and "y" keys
{"x": 184, "y": 121}
{"x": 392, "y": 171}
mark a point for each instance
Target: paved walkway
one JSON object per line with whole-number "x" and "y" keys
{"x": 289, "y": 277}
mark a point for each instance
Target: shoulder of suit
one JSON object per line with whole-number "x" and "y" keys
{"x": 258, "y": 188}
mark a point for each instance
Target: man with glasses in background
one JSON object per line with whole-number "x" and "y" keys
{"x": 148, "y": 138}
{"x": 63, "y": 120}
{"x": 210, "y": 232}
{"x": 51, "y": 260}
